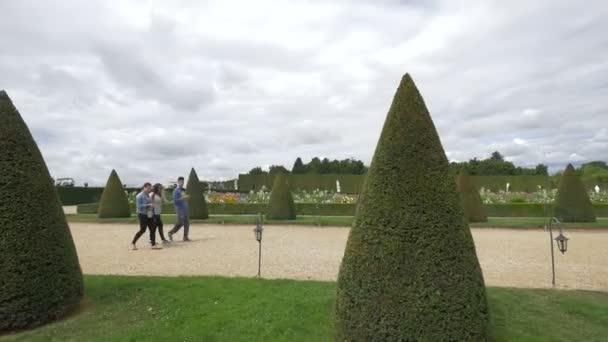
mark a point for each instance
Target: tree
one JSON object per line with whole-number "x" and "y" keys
{"x": 114, "y": 201}
{"x": 572, "y": 203}
{"x": 257, "y": 171}
{"x": 497, "y": 156}
{"x": 298, "y": 167}
{"x": 541, "y": 170}
{"x": 281, "y": 205}
{"x": 274, "y": 169}
{"x": 410, "y": 271}
{"x": 41, "y": 279}
{"x": 471, "y": 200}
{"x": 197, "y": 206}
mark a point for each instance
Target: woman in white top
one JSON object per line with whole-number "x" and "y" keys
{"x": 156, "y": 196}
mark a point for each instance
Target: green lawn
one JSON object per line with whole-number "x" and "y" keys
{"x": 345, "y": 221}
{"x": 237, "y": 309}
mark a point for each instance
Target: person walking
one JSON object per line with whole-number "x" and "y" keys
{"x": 181, "y": 210}
{"x": 143, "y": 206}
{"x": 156, "y": 196}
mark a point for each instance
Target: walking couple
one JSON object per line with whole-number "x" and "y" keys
{"x": 149, "y": 203}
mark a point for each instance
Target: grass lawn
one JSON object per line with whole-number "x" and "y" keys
{"x": 344, "y": 221}
{"x": 237, "y": 309}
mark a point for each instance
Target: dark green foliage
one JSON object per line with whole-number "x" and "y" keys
{"x": 78, "y": 195}
{"x": 471, "y": 200}
{"x": 410, "y": 271}
{"x": 197, "y": 206}
{"x": 114, "y": 201}
{"x": 298, "y": 167}
{"x": 40, "y": 277}
{"x": 281, "y": 206}
{"x": 572, "y": 203}
{"x": 496, "y": 165}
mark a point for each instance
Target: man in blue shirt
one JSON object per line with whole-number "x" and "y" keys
{"x": 143, "y": 206}
{"x": 181, "y": 210}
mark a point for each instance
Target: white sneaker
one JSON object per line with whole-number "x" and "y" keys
{"x": 156, "y": 247}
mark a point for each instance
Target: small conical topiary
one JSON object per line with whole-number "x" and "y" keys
{"x": 281, "y": 205}
{"x": 472, "y": 204}
{"x": 572, "y": 203}
{"x": 40, "y": 276}
{"x": 114, "y": 201}
{"x": 410, "y": 271}
{"x": 197, "y": 206}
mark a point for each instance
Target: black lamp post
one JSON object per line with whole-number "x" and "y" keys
{"x": 258, "y": 236}
{"x": 561, "y": 241}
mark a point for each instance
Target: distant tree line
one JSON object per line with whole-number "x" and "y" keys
{"x": 496, "y": 165}
{"x": 316, "y": 165}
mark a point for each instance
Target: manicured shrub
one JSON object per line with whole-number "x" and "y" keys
{"x": 114, "y": 201}
{"x": 471, "y": 200}
{"x": 40, "y": 277}
{"x": 281, "y": 205}
{"x": 572, "y": 203}
{"x": 410, "y": 271}
{"x": 197, "y": 206}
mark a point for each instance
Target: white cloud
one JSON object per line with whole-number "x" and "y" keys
{"x": 154, "y": 89}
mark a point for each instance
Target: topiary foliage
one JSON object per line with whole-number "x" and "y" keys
{"x": 40, "y": 277}
{"x": 472, "y": 204}
{"x": 410, "y": 271}
{"x": 197, "y": 207}
{"x": 281, "y": 205}
{"x": 114, "y": 201}
{"x": 572, "y": 203}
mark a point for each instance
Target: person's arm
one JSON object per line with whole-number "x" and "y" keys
{"x": 139, "y": 202}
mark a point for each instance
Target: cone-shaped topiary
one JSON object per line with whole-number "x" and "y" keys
{"x": 40, "y": 277}
{"x": 114, "y": 201}
{"x": 572, "y": 203}
{"x": 472, "y": 204}
{"x": 281, "y": 205}
{"x": 197, "y": 206}
{"x": 410, "y": 271}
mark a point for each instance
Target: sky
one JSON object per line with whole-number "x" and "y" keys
{"x": 153, "y": 88}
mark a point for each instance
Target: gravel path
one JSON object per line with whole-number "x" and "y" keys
{"x": 518, "y": 258}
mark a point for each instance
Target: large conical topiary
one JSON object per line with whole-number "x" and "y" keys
{"x": 40, "y": 277}
{"x": 410, "y": 271}
{"x": 197, "y": 206}
{"x": 472, "y": 204}
{"x": 572, "y": 203}
{"x": 281, "y": 205}
{"x": 114, "y": 201}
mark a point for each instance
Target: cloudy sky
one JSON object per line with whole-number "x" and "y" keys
{"x": 152, "y": 88}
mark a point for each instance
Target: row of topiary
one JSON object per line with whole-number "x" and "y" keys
{"x": 572, "y": 203}
{"x": 115, "y": 204}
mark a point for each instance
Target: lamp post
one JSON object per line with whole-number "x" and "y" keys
{"x": 560, "y": 240}
{"x": 258, "y": 236}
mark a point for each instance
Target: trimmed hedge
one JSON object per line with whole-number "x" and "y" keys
{"x": 410, "y": 271}
{"x": 281, "y": 205}
{"x": 572, "y": 203}
{"x": 79, "y": 195}
{"x": 312, "y": 209}
{"x": 197, "y": 206}
{"x": 114, "y": 201}
{"x": 471, "y": 200}
{"x": 40, "y": 276}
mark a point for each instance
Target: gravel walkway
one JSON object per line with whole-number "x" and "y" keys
{"x": 518, "y": 258}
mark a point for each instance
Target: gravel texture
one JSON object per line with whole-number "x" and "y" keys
{"x": 514, "y": 258}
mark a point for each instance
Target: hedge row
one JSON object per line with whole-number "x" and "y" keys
{"x": 78, "y": 195}
{"x": 352, "y": 184}
{"x": 334, "y": 209}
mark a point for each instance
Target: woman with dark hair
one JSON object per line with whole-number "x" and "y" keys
{"x": 156, "y": 197}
